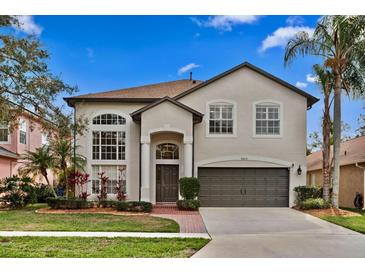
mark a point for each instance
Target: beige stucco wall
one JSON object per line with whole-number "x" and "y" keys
{"x": 84, "y": 142}
{"x": 351, "y": 181}
{"x": 166, "y": 116}
{"x": 244, "y": 87}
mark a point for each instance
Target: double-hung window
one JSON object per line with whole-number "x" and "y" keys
{"x": 22, "y": 131}
{"x": 4, "y": 133}
{"x": 221, "y": 120}
{"x": 267, "y": 120}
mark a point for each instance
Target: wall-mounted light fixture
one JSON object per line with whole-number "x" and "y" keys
{"x": 299, "y": 170}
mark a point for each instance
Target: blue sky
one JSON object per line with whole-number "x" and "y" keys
{"x": 100, "y": 53}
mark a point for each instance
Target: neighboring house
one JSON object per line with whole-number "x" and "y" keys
{"x": 27, "y": 136}
{"x": 352, "y": 170}
{"x": 242, "y": 133}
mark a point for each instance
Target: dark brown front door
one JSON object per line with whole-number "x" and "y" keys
{"x": 166, "y": 183}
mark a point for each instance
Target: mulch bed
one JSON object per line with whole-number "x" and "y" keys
{"x": 330, "y": 212}
{"x": 93, "y": 210}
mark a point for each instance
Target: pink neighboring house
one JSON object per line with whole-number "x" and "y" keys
{"x": 26, "y": 137}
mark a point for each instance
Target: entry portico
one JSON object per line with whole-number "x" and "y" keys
{"x": 166, "y": 147}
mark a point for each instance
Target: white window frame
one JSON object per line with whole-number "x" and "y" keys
{"x": 5, "y": 126}
{"x": 100, "y": 169}
{"x": 281, "y": 115}
{"x": 23, "y": 129}
{"x": 234, "y": 118}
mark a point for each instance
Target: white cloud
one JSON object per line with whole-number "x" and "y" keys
{"x": 186, "y": 68}
{"x": 311, "y": 78}
{"x": 225, "y": 22}
{"x": 295, "y": 20}
{"x": 301, "y": 84}
{"x": 28, "y": 26}
{"x": 281, "y": 36}
{"x": 90, "y": 54}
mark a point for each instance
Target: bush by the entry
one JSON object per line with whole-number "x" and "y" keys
{"x": 314, "y": 203}
{"x": 134, "y": 206}
{"x": 188, "y": 204}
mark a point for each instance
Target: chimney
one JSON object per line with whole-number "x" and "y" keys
{"x": 191, "y": 76}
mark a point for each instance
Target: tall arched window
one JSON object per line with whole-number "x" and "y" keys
{"x": 167, "y": 151}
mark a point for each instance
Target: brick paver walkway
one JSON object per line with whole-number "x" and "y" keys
{"x": 189, "y": 221}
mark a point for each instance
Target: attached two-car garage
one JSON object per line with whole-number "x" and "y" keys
{"x": 244, "y": 187}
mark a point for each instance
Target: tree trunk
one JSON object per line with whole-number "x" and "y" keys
{"x": 326, "y": 132}
{"x": 336, "y": 139}
{"x": 49, "y": 184}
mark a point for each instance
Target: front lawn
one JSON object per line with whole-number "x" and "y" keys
{"x": 28, "y": 220}
{"x": 356, "y": 223}
{"x": 79, "y": 247}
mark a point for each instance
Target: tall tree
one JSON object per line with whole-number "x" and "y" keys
{"x": 25, "y": 79}
{"x": 340, "y": 41}
{"x": 361, "y": 130}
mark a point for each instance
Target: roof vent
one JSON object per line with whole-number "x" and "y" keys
{"x": 191, "y": 76}
{"x": 345, "y": 152}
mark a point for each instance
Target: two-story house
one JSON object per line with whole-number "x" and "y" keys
{"x": 27, "y": 136}
{"x": 242, "y": 133}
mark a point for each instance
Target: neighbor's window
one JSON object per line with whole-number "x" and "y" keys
{"x": 115, "y": 173}
{"x": 221, "y": 119}
{"x": 4, "y": 132}
{"x": 167, "y": 151}
{"x": 22, "y": 131}
{"x": 44, "y": 139}
{"x": 267, "y": 119}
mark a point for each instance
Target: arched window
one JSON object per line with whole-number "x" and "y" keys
{"x": 167, "y": 152}
{"x": 109, "y": 119}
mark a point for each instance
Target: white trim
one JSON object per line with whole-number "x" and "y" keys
{"x": 241, "y": 158}
{"x": 281, "y": 117}
{"x": 166, "y": 128}
{"x": 234, "y": 116}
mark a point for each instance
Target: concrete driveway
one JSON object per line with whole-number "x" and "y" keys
{"x": 276, "y": 233}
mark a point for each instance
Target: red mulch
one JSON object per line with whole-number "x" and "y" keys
{"x": 330, "y": 212}
{"x": 93, "y": 210}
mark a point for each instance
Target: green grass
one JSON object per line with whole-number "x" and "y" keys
{"x": 28, "y": 220}
{"x": 356, "y": 223}
{"x": 78, "y": 247}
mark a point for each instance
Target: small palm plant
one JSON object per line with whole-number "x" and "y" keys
{"x": 38, "y": 163}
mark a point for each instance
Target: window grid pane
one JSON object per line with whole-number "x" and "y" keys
{"x": 167, "y": 151}
{"x": 108, "y": 145}
{"x": 4, "y": 134}
{"x": 267, "y": 120}
{"x": 109, "y": 119}
{"x": 116, "y": 175}
{"x": 221, "y": 119}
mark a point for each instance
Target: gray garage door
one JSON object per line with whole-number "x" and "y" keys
{"x": 251, "y": 187}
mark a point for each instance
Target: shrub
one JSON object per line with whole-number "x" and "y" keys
{"x": 63, "y": 203}
{"x": 17, "y": 192}
{"x": 121, "y": 205}
{"x": 103, "y": 195}
{"x": 120, "y": 192}
{"x": 314, "y": 203}
{"x": 188, "y": 204}
{"x": 78, "y": 180}
{"x": 189, "y": 188}
{"x": 305, "y": 192}
{"x": 134, "y": 206}
{"x": 42, "y": 192}
{"x": 107, "y": 203}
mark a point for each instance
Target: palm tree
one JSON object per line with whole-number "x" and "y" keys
{"x": 340, "y": 41}
{"x": 37, "y": 163}
{"x": 325, "y": 81}
{"x": 64, "y": 160}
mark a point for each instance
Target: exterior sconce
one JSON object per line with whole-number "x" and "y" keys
{"x": 299, "y": 170}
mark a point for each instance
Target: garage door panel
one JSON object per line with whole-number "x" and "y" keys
{"x": 251, "y": 187}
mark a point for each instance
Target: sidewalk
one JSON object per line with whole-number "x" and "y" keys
{"x": 101, "y": 234}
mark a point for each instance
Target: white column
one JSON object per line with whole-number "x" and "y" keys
{"x": 145, "y": 171}
{"x": 188, "y": 157}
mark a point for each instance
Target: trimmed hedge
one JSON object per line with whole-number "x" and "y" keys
{"x": 305, "y": 192}
{"x": 189, "y": 188}
{"x": 62, "y": 203}
{"x": 314, "y": 203}
{"x": 188, "y": 204}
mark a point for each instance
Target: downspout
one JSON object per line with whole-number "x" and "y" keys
{"x": 363, "y": 168}
{"x": 74, "y": 132}
{"x": 140, "y": 155}
{"x": 193, "y": 150}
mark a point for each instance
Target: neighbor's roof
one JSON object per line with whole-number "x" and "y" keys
{"x": 352, "y": 151}
{"x": 147, "y": 93}
{"x": 175, "y": 89}
{"x": 7, "y": 153}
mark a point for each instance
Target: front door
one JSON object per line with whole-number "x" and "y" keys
{"x": 166, "y": 183}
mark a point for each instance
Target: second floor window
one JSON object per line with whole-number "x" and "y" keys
{"x": 267, "y": 119}
{"x": 221, "y": 119}
{"x": 4, "y": 132}
{"x": 22, "y": 131}
{"x": 108, "y": 145}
